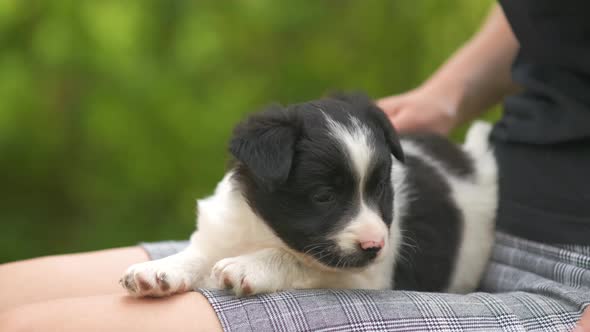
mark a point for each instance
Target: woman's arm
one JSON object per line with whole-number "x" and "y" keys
{"x": 476, "y": 77}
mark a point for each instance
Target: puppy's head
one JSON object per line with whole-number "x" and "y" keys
{"x": 319, "y": 174}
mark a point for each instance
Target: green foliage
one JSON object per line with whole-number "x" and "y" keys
{"x": 114, "y": 115}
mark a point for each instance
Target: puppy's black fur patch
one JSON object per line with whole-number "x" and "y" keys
{"x": 296, "y": 176}
{"x": 440, "y": 149}
{"x": 431, "y": 230}
{"x": 266, "y": 143}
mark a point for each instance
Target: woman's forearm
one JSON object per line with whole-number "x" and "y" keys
{"x": 477, "y": 76}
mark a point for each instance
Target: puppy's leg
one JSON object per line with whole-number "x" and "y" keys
{"x": 174, "y": 274}
{"x": 263, "y": 271}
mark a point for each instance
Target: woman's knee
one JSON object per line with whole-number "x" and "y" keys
{"x": 183, "y": 312}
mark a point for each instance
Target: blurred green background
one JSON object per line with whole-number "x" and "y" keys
{"x": 114, "y": 115}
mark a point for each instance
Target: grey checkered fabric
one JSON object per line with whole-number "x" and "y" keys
{"x": 527, "y": 287}
{"x": 157, "y": 250}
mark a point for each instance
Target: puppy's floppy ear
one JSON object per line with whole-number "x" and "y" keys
{"x": 389, "y": 131}
{"x": 265, "y": 143}
{"x": 361, "y": 101}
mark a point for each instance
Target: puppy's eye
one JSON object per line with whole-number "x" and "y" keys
{"x": 324, "y": 196}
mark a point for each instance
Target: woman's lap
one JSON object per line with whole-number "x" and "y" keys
{"x": 113, "y": 312}
{"x": 528, "y": 286}
{"x": 62, "y": 276}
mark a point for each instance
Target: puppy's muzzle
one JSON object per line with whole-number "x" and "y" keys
{"x": 371, "y": 248}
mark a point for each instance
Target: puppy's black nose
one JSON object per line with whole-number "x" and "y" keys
{"x": 371, "y": 247}
{"x": 365, "y": 245}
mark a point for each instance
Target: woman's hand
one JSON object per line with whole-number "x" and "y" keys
{"x": 475, "y": 78}
{"x": 421, "y": 110}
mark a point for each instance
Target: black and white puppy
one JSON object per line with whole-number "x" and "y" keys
{"x": 323, "y": 194}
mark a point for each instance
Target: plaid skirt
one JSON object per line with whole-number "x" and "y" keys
{"x": 528, "y": 286}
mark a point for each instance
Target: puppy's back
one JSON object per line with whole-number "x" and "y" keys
{"x": 447, "y": 221}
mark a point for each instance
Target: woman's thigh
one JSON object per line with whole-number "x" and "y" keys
{"x": 73, "y": 275}
{"x": 116, "y": 312}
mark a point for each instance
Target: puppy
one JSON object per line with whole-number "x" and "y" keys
{"x": 324, "y": 194}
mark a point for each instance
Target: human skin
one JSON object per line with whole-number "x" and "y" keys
{"x": 74, "y": 275}
{"x": 67, "y": 298}
{"x": 584, "y": 323}
{"x": 114, "y": 312}
{"x": 80, "y": 292}
{"x": 476, "y": 77}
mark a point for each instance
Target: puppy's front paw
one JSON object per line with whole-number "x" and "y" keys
{"x": 154, "y": 279}
{"x": 242, "y": 275}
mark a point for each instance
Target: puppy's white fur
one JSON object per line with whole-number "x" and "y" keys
{"x": 234, "y": 248}
{"x": 367, "y": 225}
{"x": 477, "y": 199}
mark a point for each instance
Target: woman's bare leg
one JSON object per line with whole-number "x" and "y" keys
{"x": 75, "y": 275}
{"x": 116, "y": 312}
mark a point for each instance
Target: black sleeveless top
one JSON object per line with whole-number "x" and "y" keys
{"x": 542, "y": 142}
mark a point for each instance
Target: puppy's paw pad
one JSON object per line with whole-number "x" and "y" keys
{"x": 149, "y": 279}
{"x": 246, "y": 288}
{"x": 144, "y": 286}
{"x": 239, "y": 275}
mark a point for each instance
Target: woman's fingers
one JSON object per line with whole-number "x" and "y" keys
{"x": 418, "y": 111}
{"x": 391, "y": 105}
{"x": 405, "y": 120}
{"x": 413, "y": 120}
